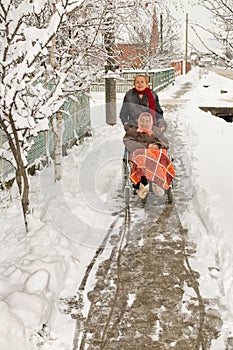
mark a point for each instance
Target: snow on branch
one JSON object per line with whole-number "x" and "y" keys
{"x": 7, "y": 155}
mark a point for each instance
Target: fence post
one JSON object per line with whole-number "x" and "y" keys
{"x": 110, "y": 100}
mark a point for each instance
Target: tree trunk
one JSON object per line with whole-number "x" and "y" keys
{"x": 57, "y": 130}
{"x": 46, "y": 135}
{"x": 1, "y": 162}
{"x": 21, "y": 170}
{"x": 23, "y": 187}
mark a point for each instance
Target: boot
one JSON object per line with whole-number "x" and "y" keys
{"x": 158, "y": 191}
{"x": 143, "y": 191}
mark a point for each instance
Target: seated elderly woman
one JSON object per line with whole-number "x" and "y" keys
{"x": 149, "y": 157}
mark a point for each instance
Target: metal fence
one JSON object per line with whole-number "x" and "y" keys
{"x": 76, "y": 122}
{"x": 158, "y": 78}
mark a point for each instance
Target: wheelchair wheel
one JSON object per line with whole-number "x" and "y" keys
{"x": 124, "y": 175}
{"x": 126, "y": 183}
{"x": 169, "y": 195}
{"x": 127, "y": 194}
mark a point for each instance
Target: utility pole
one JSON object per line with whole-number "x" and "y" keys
{"x": 186, "y": 44}
{"x": 110, "y": 68}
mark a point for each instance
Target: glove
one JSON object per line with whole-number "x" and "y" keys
{"x": 126, "y": 126}
{"x": 161, "y": 124}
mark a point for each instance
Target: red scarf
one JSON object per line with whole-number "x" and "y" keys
{"x": 150, "y": 100}
{"x": 145, "y": 131}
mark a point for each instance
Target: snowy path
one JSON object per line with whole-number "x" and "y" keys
{"x": 144, "y": 293}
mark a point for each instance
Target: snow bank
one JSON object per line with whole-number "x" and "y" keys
{"x": 210, "y": 143}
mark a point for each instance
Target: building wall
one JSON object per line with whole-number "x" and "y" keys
{"x": 179, "y": 67}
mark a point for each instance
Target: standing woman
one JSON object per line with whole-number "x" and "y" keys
{"x": 138, "y": 100}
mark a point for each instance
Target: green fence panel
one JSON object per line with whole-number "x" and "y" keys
{"x": 82, "y": 115}
{"x": 38, "y": 148}
{"x": 76, "y": 122}
{"x": 6, "y": 169}
{"x": 159, "y": 79}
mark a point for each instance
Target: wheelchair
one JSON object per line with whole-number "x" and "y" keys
{"x": 127, "y": 185}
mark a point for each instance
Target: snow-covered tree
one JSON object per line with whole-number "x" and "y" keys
{"x": 28, "y": 97}
{"x": 222, "y": 11}
{"x": 77, "y": 51}
{"x": 47, "y": 51}
{"x": 154, "y": 30}
{"x": 221, "y": 30}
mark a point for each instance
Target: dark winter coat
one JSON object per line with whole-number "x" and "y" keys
{"x": 133, "y": 106}
{"x": 134, "y": 140}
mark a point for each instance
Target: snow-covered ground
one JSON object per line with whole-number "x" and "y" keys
{"x": 70, "y": 218}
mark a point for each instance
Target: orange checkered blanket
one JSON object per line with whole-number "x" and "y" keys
{"x": 155, "y": 165}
